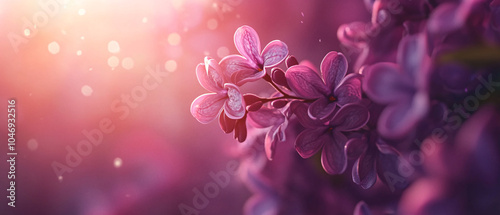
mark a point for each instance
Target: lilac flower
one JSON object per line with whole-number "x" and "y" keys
{"x": 251, "y": 66}
{"x": 224, "y": 95}
{"x": 452, "y": 16}
{"x": 329, "y": 137}
{"x": 276, "y": 121}
{"x": 334, "y": 88}
{"x": 374, "y": 157}
{"x": 403, "y": 87}
{"x": 467, "y": 171}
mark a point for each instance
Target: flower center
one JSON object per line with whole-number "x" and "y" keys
{"x": 332, "y": 99}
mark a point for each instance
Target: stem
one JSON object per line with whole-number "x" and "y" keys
{"x": 285, "y": 95}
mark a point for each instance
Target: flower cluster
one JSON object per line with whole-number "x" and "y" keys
{"x": 419, "y": 70}
{"x": 327, "y": 104}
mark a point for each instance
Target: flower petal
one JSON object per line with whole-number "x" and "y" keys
{"x": 355, "y": 147}
{"x": 310, "y": 141}
{"x": 354, "y": 34}
{"x": 384, "y": 83}
{"x": 236, "y": 64}
{"x": 205, "y": 80}
{"x": 265, "y": 117}
{"x": 333, "y": 69}
{"x": 240, "y": 130}
{"x": 273, "y": 136}
{"x": 270, "y": 144}
{"x": 244, "y": 76}
{"x": 214, "y": 72}
{"x": 291, "y": 61}
{"x": 321, "y": 109}
{"x": 399, "y": 119}
{"x": 235, "y": 104}
{"x": 206, "y": 107}
{"x": 411, "y": 55}
{"x": 350, "y": 117}
{"x": 247, "y": 42}
{"x": 300, "y": 109}
{"x": 363, "y": 171}
{"x": 306, "y": 83}
{"x": 444, "y": 19}
{"x": 333, "y": 157}
{"x": 274, "y": 53}
{"x": 362, "y": 208}
{"x": 388, "y": 167}
{"x": 226, "y": 124}
{"x": 349, "y": 90}
{"x": 278, "y": 77}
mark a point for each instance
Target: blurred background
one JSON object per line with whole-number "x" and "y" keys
{"x": 121, "y": 75}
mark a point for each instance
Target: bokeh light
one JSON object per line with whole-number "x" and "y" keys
{"x": 174, "y": 39}
{"x": 87, "y": 90}
{"x": 54, "y": 47}
{"x": 171, "y": 65}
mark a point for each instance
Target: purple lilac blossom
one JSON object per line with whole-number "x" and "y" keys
{"x": 329, "y": 137}
{"x": 461, "y": 178}
{"x": 402, "y": 86}
{"x": 332, "y": 89}
{"x": 375, "y": 158}
{"x": 413, "y": 61}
